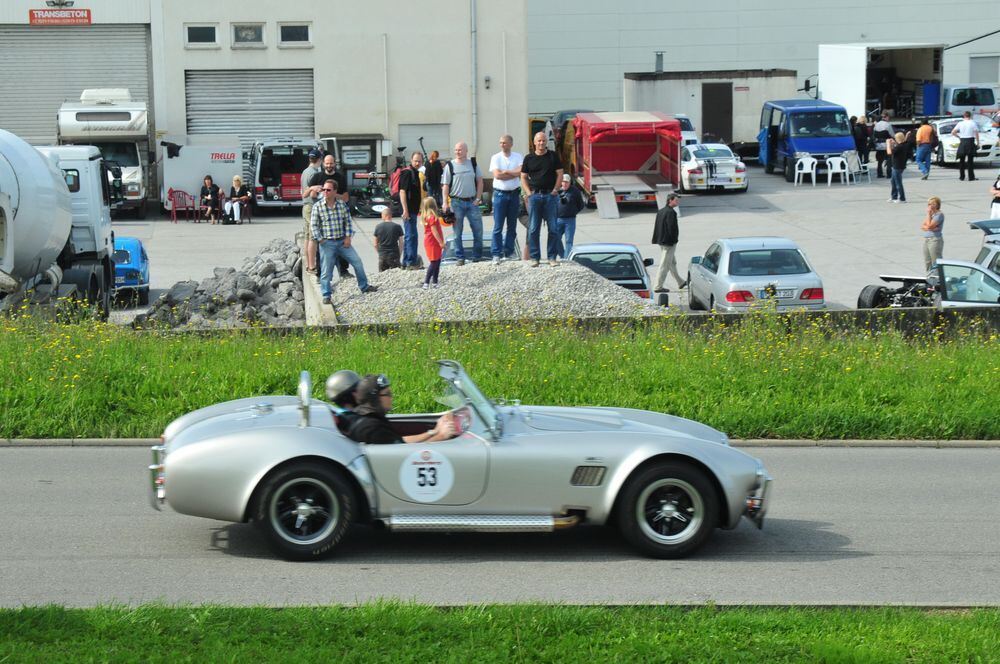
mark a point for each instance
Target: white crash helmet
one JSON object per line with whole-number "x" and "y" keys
{"x": 340, "y": 383}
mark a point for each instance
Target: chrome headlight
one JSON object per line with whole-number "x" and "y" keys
{"x": 132, "y": 188}
{"x": 799, "y": 155}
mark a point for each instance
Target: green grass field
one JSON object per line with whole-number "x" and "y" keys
{"x": 533, "y": 633}
{"x": 765, "y": 378}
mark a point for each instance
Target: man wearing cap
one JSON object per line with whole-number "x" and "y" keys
{"x": 665, "y": 234}
{"x": 570, "y": 204}
{"x": 372, "y": 426}
{"x": 309, "y": 195}
{"x": 328, "y": 171}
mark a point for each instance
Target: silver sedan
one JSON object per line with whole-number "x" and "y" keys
{"x": 736, "y": 274}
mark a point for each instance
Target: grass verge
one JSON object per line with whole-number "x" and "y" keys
{"x": 533, "y": 633}
{"x": 772, "y": 376}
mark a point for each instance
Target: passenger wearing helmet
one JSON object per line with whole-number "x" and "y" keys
{"x": 371, "y": 425}
{"x": 341, "y": 390}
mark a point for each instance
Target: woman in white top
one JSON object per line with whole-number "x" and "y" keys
{"x": 239, "y": 196}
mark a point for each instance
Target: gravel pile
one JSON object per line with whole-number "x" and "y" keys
{"x": 480, "y": 291}
{"x": 267, "y": 290}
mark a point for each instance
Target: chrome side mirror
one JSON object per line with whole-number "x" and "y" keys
{"x": 305, "y": 393}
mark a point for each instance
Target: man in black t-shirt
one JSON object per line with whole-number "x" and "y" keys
{"x": 388, "y": 241}
{"x": 541, "y": 173}
{"x": 372, "y": 426}
{"x": 410, "y": 195}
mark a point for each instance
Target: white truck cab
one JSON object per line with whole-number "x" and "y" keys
{"x": 109, "y": 119}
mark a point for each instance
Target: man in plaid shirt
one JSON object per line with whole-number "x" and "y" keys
{"x": 331, "y": 227}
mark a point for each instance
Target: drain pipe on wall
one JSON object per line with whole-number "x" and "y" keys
{"x": 475, "y": 77}
{"x": 385, "y": 80}
{"x": 506, "y": 106}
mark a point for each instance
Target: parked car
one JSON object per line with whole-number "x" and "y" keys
{"x": 621, "y": 263}
{"x": 736, "y": 274}
{"x": 950, "y": 284}
{"x": 282, "y": 463}
{"x": 947, "y": 150}
{"x": 131, "y": 268}
{"x": 712, "y": 166}
{"x": 688, "y": 133}
{"x": 448, "y": 254}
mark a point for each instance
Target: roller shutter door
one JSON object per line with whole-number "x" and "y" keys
{"x": 436, "y": 137}
{"x": 253, "y": 104}
{"x": 43, "y": 66}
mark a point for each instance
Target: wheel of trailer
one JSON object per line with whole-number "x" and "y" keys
{"x": 789, "y": 171}
{"x": 873, "y": 296}
{"x": 668, "y": 510}
{"x": 304, "y": 510}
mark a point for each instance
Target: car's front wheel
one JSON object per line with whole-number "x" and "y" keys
{"x": 305, "y": 511}
{"x": 668, "y": 510}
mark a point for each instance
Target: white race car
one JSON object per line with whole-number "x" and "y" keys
{"x": 947, "y": 150}
{"x": 712, "y": 166}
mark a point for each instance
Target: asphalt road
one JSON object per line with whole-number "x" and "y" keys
{"x": 846, "y": 526}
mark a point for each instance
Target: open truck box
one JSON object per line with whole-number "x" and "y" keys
{"x": 630, "y": 157}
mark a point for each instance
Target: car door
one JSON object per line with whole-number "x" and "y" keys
{"x": 705, "y": 274}
{"x": 967, "y": 286}
{"x": 418, "y": 477}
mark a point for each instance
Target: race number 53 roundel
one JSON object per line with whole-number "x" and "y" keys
{"x": 426, "y": 476}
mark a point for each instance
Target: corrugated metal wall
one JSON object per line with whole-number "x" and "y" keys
{"x": 43, "y": 66}
{"x": 253, "y": 104}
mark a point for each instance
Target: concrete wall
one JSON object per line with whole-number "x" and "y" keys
{"x": 579, "y": 49}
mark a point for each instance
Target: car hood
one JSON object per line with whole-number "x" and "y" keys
{"x": 555, "y": 418}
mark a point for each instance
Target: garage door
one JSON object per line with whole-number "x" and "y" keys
{"x": 253, "y": 104}
{"x": 436, "y": 137}
{"x": 43, "y": 66}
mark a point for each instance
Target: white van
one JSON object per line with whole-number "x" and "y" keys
{"x": 276, "y": 166}
{"x": 983, "y": 98}
{"x": 186, "y": 160}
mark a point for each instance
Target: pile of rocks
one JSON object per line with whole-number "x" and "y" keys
{"x": 267, "y": 291}
{"x": 484, "y": 291}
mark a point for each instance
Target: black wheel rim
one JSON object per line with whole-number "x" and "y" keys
{"x": 304, "y": 511}
{"x": 669, "y": 511}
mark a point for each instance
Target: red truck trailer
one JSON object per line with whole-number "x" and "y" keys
{"x": 630, "y": 157}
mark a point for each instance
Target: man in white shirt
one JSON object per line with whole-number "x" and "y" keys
{"x": 506, "y": 168}
{"x": 968, "y": 143}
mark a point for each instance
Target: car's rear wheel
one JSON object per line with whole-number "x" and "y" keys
{"x": 873, "y": 296}
{"x": 305, "y": 511}
{"x": 668, "y": 510}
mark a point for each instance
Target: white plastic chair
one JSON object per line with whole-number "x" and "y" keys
{"x": 855, "y": 168}
{"x": 836, "y": 166}
{"x": 805, "y": 166}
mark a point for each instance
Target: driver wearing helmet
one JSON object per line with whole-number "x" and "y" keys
{"x": 371, "y": 425}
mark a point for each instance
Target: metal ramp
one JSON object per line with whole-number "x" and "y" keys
{"x": 607, "y": 206}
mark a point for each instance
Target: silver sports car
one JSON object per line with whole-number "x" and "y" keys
{"x": 282, "y": 462}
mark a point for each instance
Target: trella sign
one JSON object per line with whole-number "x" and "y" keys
{"x": 59, "y": 17}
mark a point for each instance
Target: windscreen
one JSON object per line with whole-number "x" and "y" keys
{"x": 972, "y": 97}
{"x": 712, "y": 153}
{"x": 610, "y": 265}
{"x": 125, "y": 155}
{"x": 685, "y": 124}
{"x": 766, "y": 262}
{"x": 820, "y": 124}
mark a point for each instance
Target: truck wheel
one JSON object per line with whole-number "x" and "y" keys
{"x": 873, "y": 296}
{"x": 140, "y": 212}
{"x": 668, "y": 510}
{"x": 789, "y": 171}
{"x": 305, "y": 511}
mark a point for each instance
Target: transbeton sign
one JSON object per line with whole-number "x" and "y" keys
{"x": 59, "y": 17}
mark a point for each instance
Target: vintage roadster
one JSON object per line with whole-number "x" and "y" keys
{"x": 283, "y": 463}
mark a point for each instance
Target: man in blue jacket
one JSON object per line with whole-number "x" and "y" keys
{"x": 570, "y": 204}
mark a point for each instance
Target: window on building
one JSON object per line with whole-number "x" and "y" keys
{"x": 201, "y": 35}
{"x": 248, "y": 35}
{"x": 294, "y": 35}
{"x": 984, "y": 68}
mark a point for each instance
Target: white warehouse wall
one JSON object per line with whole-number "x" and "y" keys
{"x": 578, "y": 50}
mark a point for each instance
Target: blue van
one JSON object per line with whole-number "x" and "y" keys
{"x": 794, "y": 128}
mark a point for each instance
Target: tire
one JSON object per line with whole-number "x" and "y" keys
{"x": 680, "y": 185}
{"x": 769, "y": 167}
{"x": 143, "y": 296}
{"x": 321, "y": 491}
{"x": 873, "y": 296}
{"x": 789, "y": 171}
{"x": 140, "y": 212}
{"x": 668, "y": 510}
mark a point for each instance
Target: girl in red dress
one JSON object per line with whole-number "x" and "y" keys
{"x": 430, "y": 217}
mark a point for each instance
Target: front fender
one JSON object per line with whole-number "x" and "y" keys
{"x": 215, "y": 478}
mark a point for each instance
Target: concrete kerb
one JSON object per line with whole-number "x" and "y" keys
{"x": 752, "y": 442}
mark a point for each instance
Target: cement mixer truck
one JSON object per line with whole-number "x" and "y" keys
{"x": 55, "y": 224}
